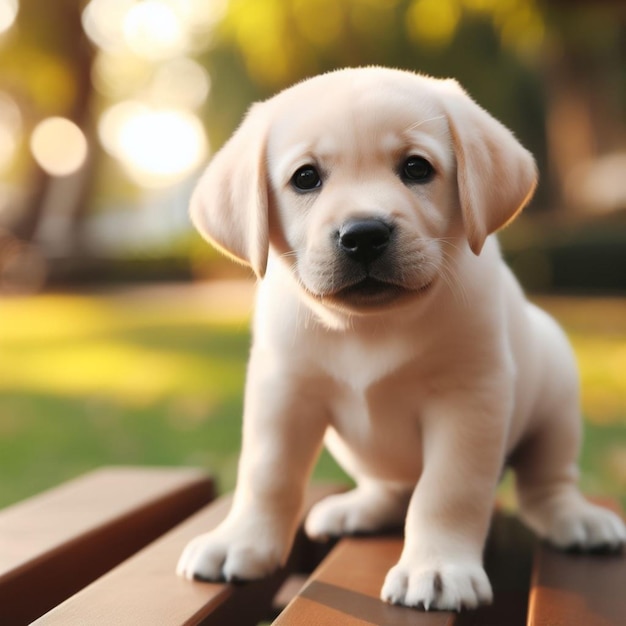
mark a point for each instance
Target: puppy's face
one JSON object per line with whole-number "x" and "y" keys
{"x": 363, "y": 187}
{"x": 367, "y": 182}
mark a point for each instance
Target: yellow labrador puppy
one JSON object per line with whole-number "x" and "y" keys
{"x": 388, "y": 327}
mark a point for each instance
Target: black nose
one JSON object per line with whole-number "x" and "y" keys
{"x": 364, "y": 240}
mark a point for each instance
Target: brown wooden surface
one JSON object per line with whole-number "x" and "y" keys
{"x": 144, "y": 590}
{"x": 578, "y": 589}
{"x": 345, "y": 588}
{"x": 56, "y": 543}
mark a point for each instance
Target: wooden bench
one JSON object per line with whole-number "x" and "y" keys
{"x": 101, "y": 550}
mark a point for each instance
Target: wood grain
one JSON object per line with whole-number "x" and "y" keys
{"x": 56, "y": 543}
{"x": 144, "y": 590}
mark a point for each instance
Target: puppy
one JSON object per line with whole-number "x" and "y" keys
{"x": 388, "y": 327}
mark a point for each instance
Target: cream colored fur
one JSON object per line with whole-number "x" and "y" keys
{"x": 422, "y": 391}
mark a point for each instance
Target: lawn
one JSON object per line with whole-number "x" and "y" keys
{"x": 155, "y": 377}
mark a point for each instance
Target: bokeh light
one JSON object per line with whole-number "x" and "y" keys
{"x": 181, "y": 82}
{"x": 157, "y": 146}
{"x": 59, "y": 146}
{"x": 433, "y": 22}
{"x": 200, "y": 16}
{"x": 8, "y": 13}
{"x": 153, "y": 29}
{"x": 118, "y": 75}
{"x": 103, "y": 21}
{"x": 598, "y": 186}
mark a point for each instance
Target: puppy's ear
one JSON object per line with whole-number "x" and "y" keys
{"x": 496, "y": 175}
{"x": 230, "y": 203}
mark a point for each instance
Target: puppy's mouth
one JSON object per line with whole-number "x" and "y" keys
{"x": 372, "y": 292}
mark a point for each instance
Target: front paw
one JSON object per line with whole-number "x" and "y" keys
{"x": 446, "y": 587}
{"x": 231, "y": 555}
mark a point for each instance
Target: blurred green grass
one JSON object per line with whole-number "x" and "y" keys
{"x": 89, "y": 380}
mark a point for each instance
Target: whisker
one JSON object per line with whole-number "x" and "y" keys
{"x": 448, "y": 241}
{"x": 430, "y": 119}
{"x": 456, "y": 285}
{"x": 446, "y": 269}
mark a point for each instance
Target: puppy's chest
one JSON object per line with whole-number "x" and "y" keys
{"x": 376, "y": 410}
{"x": 360, "y": 364}
{"x": 377, "y": 430}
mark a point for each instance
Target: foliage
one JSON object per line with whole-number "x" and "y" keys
{"x": 264, "y": 45}
{"x": 281, "y": 41}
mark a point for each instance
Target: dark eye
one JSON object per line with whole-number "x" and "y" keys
{"x": 417, "y": 170}
{"x": 306, "y": 178}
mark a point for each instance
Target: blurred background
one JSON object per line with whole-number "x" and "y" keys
{"x": 123, "y": 337}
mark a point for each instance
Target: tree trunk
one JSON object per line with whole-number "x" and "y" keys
{"x": 65, "y": 16}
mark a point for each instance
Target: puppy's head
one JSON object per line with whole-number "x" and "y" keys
{"x": 366, "y": 182}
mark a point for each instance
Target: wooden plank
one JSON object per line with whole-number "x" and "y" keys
{"x": 345, "y": 588}
{"x": 578, "y": 589}
{"x": 144, "y": 590}
{"x": 55, "y": 543}
{"x": 508, "y": 562}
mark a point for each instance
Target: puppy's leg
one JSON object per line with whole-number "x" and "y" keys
{"x": 545, "y": 463}
{"x": 283, "y": 431}
{"x": 546, "y": 477}
{"x": 441, "y": 564}
{"x": 373, "y": 505}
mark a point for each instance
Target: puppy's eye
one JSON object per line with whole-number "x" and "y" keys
{"x": 306, "y": 178}
{"x": 416, "y": 170}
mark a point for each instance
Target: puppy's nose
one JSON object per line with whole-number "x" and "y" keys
{"x": 364, "y": 240}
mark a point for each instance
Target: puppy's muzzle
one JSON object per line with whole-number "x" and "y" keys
{"x": 364, "y": 240}
{"x": 368, "y": 272}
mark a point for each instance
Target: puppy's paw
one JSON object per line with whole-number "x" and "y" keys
{"x": 448, "y": 587}
{"x": 229, "y": 556}
{"x": 587, "y": 527}
{"x": 357, "y": 511}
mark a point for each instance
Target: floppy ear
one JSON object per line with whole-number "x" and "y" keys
{"x": 230, "y": 203}
{"x": 496, "y": 175}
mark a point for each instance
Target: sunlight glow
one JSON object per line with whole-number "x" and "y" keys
{"x": 158, "y": 147}
{"x": 93, "y": 348}
{"x": 59, "y": 146}
{"x": 8, "y": 13}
